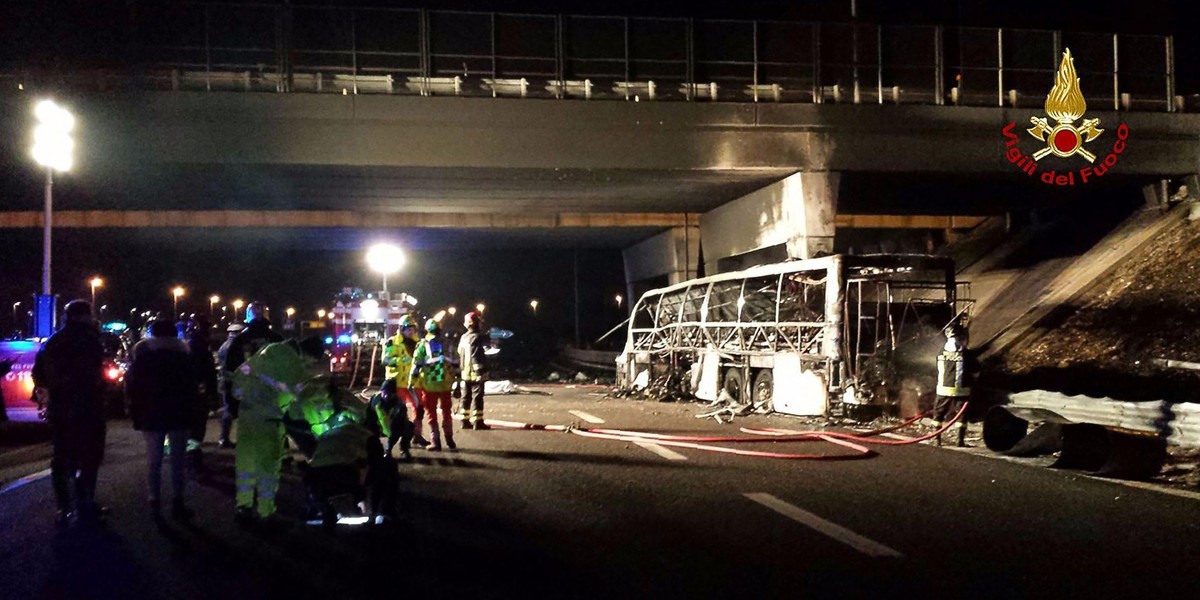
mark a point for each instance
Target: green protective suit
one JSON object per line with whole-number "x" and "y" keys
{"x": 267, "y": 385}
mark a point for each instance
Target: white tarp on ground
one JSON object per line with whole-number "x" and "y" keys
{"x": 494, "y": 388}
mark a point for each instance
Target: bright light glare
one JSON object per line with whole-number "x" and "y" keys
{"x": 238, "y": 304}
{"x": 479, "y": 307}
{"x": 214, "y": 298}
{"x": 177, "y": 292}
{"x": 441, "y": 314}
{"x": 290, "y": 311}
{"x": 321, "y": 314}
{"x": 52, "y": 143}
{"x": 385, "y": 258}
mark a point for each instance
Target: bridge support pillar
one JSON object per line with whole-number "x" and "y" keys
{"x": 667, "y": 258}
{"x": 791, "y": 218}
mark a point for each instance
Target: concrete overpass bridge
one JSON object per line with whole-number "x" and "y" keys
{"x": 309, "y": 149}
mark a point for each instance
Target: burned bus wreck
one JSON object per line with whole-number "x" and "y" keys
{"x": 836, "y": 335}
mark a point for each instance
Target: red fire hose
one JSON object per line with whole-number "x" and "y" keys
{"x": 853, "y": 441}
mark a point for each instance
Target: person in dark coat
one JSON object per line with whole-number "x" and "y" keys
{"x": 200, "y": 350}
{"x": 69, "y": 377}
{"x": 163, "y": 395}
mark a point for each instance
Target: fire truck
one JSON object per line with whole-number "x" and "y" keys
{"x": 360, "y": 323}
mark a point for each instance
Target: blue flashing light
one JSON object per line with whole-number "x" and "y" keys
{"x": 114, "y": 326}
{"x": 343, "y": 339}
{"x": 19, "y": 345}
{"x": 328, "y": 340}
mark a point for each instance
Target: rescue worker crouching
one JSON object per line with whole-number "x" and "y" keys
{"x": 471, "y": 358}
{"x": 432, "y": 377}
{"x": 265, "y": 385}
{"x": 388, "y": 417}
{"x": 397, "y": 362}
{"x": 956, "y": 368}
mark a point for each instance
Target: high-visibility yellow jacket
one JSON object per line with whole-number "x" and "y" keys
{"x": 397, "y": 359}
{"x": 432, "y": 366}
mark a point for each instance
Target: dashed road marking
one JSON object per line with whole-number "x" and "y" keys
{"x": 24, "y": 480}
{"x": 586, "y": 417}
{"x": 833, "y": 530}
{"x": 662, "y": 451}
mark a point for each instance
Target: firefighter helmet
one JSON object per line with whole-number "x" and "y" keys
{"x": 407, "y": 321}
{"x": 471, "y": 320}
{"x": 432, "y": 326}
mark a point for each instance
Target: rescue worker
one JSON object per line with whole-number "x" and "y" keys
{"x": 397, "y": 360}
{"x": 432, "y": 376}
{"x": 250, "y": 341}
{"x": 69, "y": 374}
{"x": 471, "y": 360}
{"x": 265, "y": 385}
{"x": 229, "y": 403}
{"x": 955, "y": 369}
{"x": 388, "y": 417}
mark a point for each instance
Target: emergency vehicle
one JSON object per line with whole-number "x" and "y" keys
{"x": 361, "y": 322}
{"x": 17, "y": 384}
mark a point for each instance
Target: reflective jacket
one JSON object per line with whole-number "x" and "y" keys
{"x": 268, "y": 382}
{"x": 955, "y": 369}
{"x": 433, "y": 369}
{"x": 397, "y": 359}
{"x": 471, "y": 356}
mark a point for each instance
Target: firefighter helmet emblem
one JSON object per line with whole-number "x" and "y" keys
{"x": 1065, "y": 105}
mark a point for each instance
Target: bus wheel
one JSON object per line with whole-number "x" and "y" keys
{"x": 763, "y": 390}
{"x": 733, "y": 383}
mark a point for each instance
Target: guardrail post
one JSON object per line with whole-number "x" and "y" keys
{"x": 1169, "y": 50}
{"x": 939, "y": 67}
{"x": 1000, "y": 67}
{"x": 1116, "y": 83}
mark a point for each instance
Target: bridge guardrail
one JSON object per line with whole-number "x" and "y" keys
{"x": 285, "y": 48}
{"x": 1179, "y": 422}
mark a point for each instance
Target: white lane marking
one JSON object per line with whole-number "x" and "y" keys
{"x": 662, "y": 451}
{"x": 24, "y": 480}
{"x": 833, "y": 530}
{"x": 586, "y": 417}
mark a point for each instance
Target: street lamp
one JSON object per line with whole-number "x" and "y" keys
{"x": 52, "y": 148}
{"x": 95, "y": 283}
{"x": 321, "y": 313}
{"x": 290, "y": 311}
{"x": 533, "y": 304}
{"x": 618, "y": 298}
{"x": 479, "y": 308}
{"x": 176, "y": 293}
{"x": 15, "y": 305}
{"x": 212, "y": 305}
{"x": 385, "y": 259}
{"x": 453, "y": 311}
{"x": 237, "y": 305}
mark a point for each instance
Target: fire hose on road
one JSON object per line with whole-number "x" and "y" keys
{"x": 852, "y": 441}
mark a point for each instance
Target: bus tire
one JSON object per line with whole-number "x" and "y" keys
{"x": 733, "y": 383}
{"x": 762, "y": 392}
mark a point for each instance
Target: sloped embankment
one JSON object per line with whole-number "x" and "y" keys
{"x": 1108, "y": 342}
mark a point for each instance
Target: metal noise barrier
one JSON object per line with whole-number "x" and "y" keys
{"x": 1102, "y": 450}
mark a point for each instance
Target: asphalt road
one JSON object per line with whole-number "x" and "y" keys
{"x": 552, "y": 515}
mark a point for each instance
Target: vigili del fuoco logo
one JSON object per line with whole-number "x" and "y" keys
{"x": 1064, "y": 139}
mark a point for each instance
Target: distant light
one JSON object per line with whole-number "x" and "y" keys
{"x": 214, "y": 298}
{"x": 290, "y": 311}
{"x": 96, "y": 282}
{"x": 480, "y": 307}
{"x": 321, "y": 314}
{"x": 115, "y": 326}
{"x": 370, "y": 304}
{"x": 238, "y": 304}
{"x": 328, "y": 340}
{"x": 441, "y": 314}
{"x": 178, "y": 291}
{"x": 354, "y": 338}
{"x": 344, "y": 338}
{"x": 453, "y": 311}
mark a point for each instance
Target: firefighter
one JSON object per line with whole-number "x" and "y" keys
{"x": 255, "y": 337}
{"x": 955, "y": 368}
{"x": 397, "y": 362}
{"x": 265, "y": 385}
{"x": 432, "y": 377}
{"x": 471, "y": 360}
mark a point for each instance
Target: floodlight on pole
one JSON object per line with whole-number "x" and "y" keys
{"x": 480, "y": 308}
{"x": 321, "y": 313}
{"x": 533, "y": 304}
{"x": 52, "y": 149}
{"x": 618, "y": 298}
{"x": 385, "y": 259}
{"x": 237, "y": 305}
{"x": 95, "y": 282}
{"x": 176, "y": 293}
{"x": 212, "y": 305}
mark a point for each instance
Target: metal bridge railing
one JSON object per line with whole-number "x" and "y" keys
{"x": 215, "y": 46}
